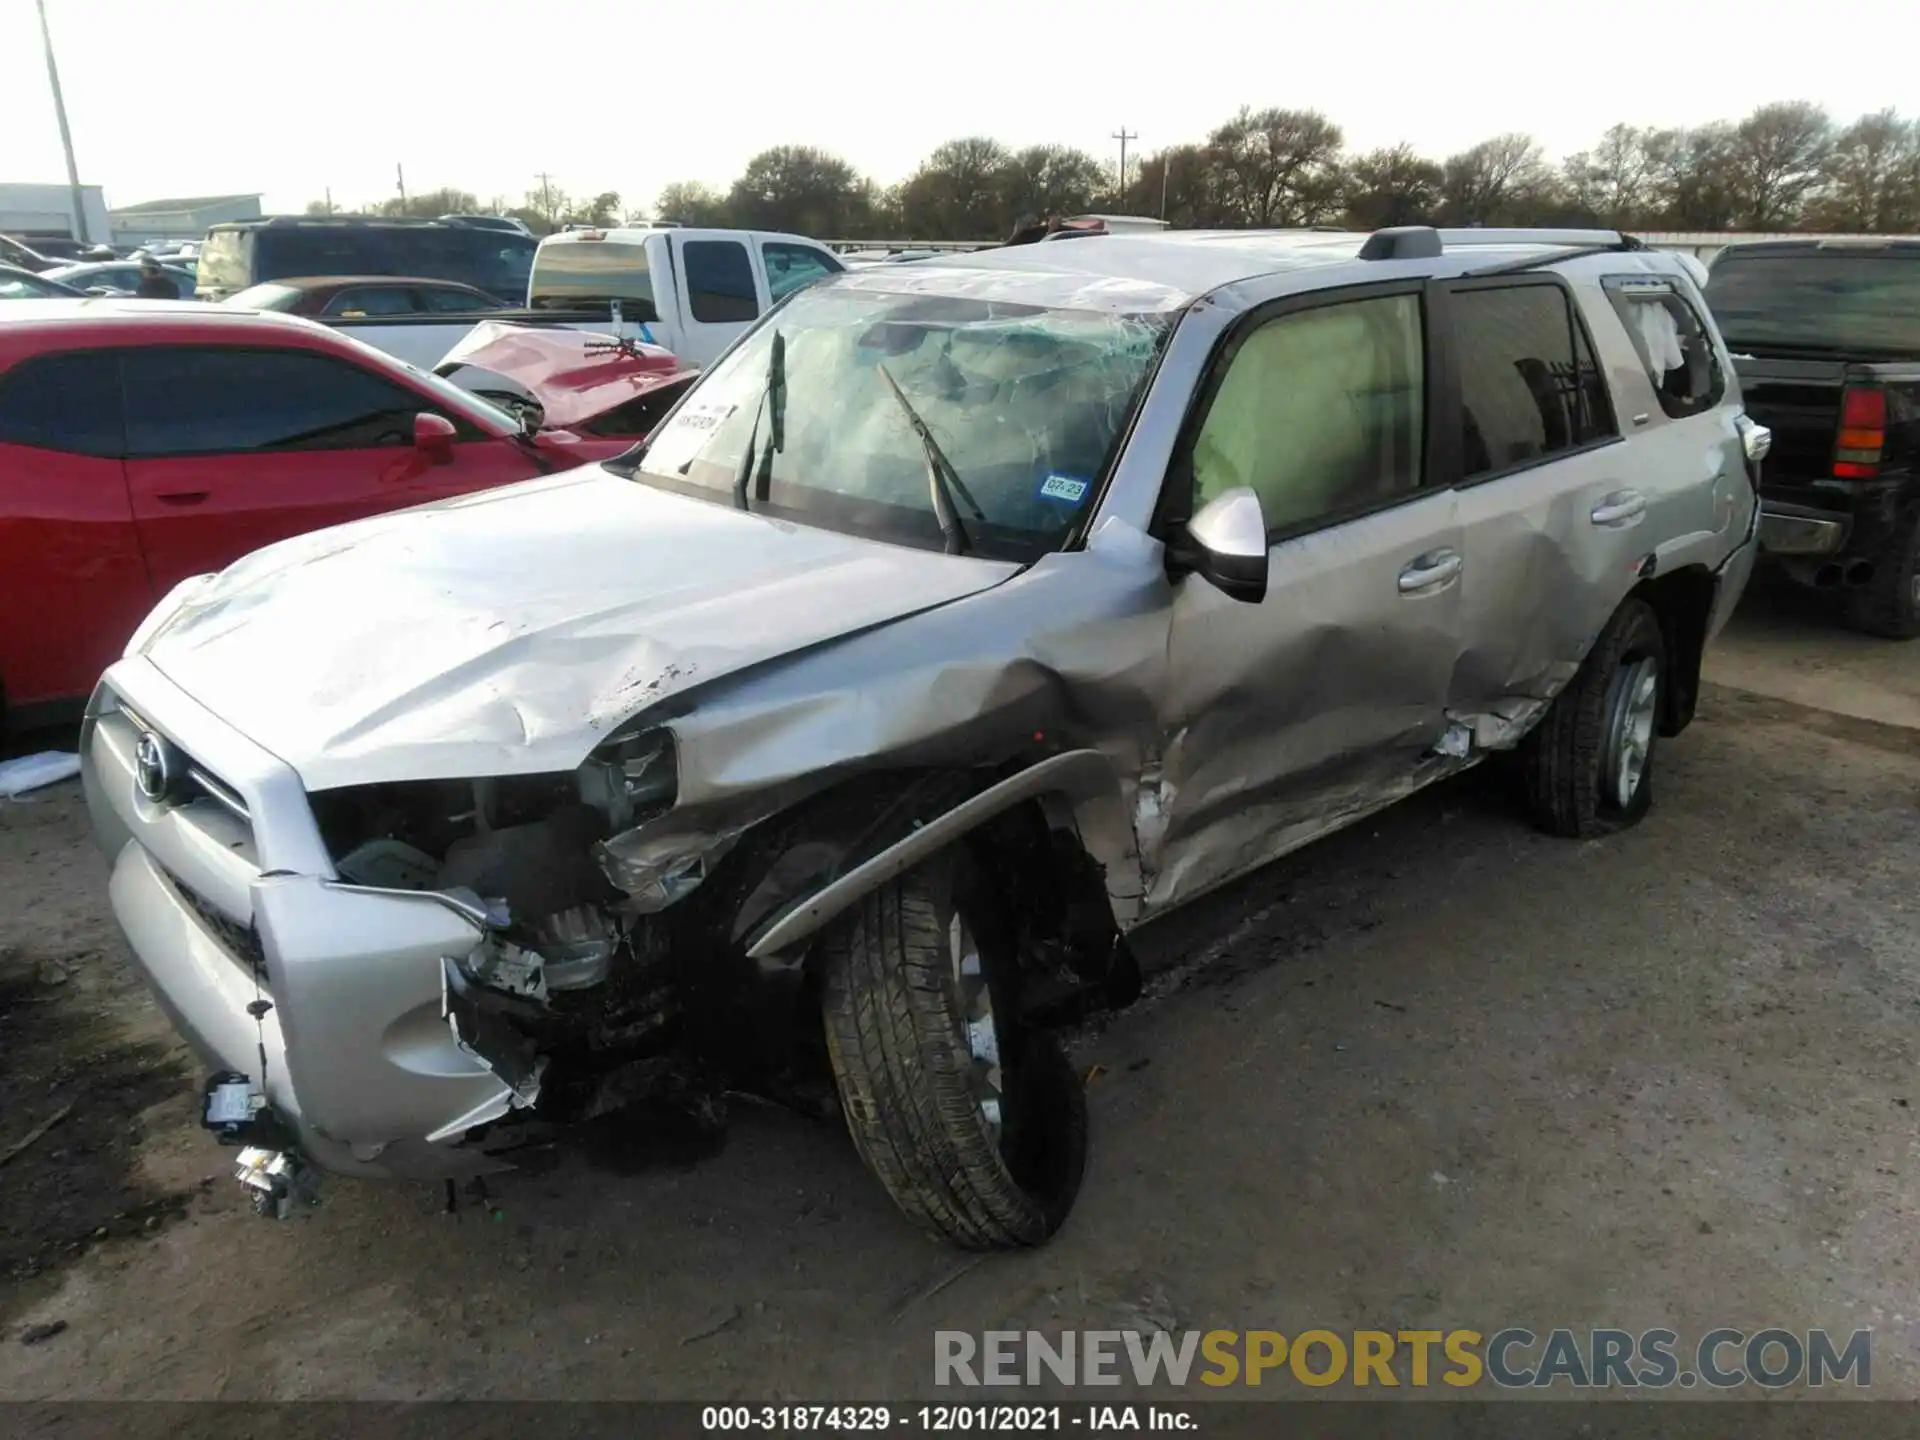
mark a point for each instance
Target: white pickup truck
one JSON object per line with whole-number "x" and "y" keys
{"x": 690, "y": 291}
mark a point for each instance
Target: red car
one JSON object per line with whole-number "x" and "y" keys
{"x": 144, "y": 442}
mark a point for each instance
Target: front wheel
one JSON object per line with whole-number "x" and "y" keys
{"x": 1589, "y": 762}
{"x": 975, "y": 1124}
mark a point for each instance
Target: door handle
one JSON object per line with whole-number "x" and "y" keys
{"x": 1620, "y": 508}
{"x": 181, "y": 497}
{"x": 1430, "y": 571}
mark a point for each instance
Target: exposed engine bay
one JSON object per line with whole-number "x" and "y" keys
{"x": 614, "y": 968}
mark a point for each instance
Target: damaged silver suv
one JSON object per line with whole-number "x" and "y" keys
{"x": 964, "y": 617}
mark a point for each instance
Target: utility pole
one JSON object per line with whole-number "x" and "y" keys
{"x": 329, "y": 199}
{"x": 66, "y": 135}
{"x": 1165, "y": 166}
{"x": 400, "y": 178}
{"x": 546, "y": 201}
{"x": 1123, "y": 135}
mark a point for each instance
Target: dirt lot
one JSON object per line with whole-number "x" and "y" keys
{"x": 1437, "y": 1072}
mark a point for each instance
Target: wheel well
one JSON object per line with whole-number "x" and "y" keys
{"x": 1682, "y": 601}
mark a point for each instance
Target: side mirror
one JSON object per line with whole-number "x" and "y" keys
{"x": 433, "y": 437}
{"x": 1226, "y": 545}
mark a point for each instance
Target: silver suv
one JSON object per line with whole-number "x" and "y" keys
{"x": 965, "y": 616}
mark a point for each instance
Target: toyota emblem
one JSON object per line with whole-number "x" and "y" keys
{"x": 152, "y": 766}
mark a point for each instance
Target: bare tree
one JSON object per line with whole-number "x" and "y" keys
{"x": 1615, "y": 181}
{"x": 1277, "y": 167}
{"x": 1872, "y": 177}
{"x": 1504, "y": 180}
{"x": 1776, "y": 158}
{"x": 1394, "y": 186}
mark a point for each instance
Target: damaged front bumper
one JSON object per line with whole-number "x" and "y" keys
{"x": 264, "y": 962}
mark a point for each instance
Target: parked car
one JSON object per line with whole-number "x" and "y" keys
{"x": 142, "y": 442}
{"x": 242, "y": 253}
{"x": 365, "y": 297}
{"x": 19, "y": 284}
{"x": 690, "y": 291}
{"x": 23, "y": 256}
{"x": 963, "y": 618}
{"x": 1826, "y": 341}
{"x": 693, "y": 291}
{"x": 117, "y": 277}
{"x": 509, "y": 223}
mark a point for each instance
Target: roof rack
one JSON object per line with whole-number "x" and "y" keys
{"x": 1424, "y": 242}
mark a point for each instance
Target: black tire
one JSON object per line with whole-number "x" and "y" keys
{"x": 906, "y": 1073}
{"x": 1569, "y": 760}
{"x": 1888, "y": 605}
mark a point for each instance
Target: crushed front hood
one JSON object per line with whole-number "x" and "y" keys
{"x": 574, "y": 374}
{"x": 508, "y": 632}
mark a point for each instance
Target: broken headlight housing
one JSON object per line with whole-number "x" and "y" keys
{"x": 632, "y": 778}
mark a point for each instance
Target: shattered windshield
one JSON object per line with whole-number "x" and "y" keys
{"x": 1024, "y": 404}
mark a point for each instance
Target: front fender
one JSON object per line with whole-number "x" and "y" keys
{"x": 1083, "y": 781}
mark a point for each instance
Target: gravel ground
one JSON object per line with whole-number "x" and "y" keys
{"x": 1437, "y": 1072}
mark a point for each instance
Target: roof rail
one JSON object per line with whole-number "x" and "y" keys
{"x": 1424, "y": 242}
{"x": 1611, "y": 239}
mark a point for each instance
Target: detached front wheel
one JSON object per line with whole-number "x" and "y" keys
{"x": 975, "y": 1124}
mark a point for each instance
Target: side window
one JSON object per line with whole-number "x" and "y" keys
{"x": 371, "y": 300}
{"x": 1320, "y": 411}
{"x": 1529, "y": 386}
{"x": 68, "y": 402}
{"x": 719, "y": 281}
{"x": 791, "y": 266}
{"x": 1672, "y": 343}
{"x": 188, "y": 402}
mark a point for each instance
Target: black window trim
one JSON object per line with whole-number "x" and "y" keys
{"x": 1450, "y": 395}
{"x": 1176, "y": 490}
{"x": 464, "y": 429}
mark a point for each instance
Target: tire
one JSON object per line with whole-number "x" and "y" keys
{"x": 914, "y": 1087}
{"x": 1888, "y": 605}
{"x": 1572, "y": 761}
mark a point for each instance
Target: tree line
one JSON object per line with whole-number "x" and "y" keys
{"x": 1786, "y": 166}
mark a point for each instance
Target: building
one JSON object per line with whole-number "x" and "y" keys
{"x": 45, "y": 212}
{"x": 185, "y": 219}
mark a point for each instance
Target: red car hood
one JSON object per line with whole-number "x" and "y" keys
{"x": 574, "y": 374}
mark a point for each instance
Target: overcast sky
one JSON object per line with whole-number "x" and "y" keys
{"x": 289, "y": 97}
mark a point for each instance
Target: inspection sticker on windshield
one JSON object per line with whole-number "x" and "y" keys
{"x": 1063, "y": 487}
{"x": 705, "y": 417}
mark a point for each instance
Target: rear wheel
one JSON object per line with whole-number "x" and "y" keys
{"x": 975, "y": 1124}
{"x": 1888, "y": 605}
{"x": 1589, "y": 762}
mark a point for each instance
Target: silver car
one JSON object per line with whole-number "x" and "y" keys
{"x": 965, "y": 616}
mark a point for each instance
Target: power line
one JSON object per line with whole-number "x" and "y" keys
{"x": 1123, "y": 135}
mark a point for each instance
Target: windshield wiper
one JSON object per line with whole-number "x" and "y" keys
{"x": 942, "y": 478}
{"x": 773, "y": 404}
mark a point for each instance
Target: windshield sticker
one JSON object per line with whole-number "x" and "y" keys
{"x": 1063, "y": 487}
{"x": 707, "y": 416}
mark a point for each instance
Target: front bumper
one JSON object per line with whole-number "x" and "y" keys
{"x": 226, "y": 895}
